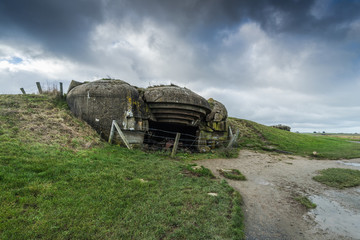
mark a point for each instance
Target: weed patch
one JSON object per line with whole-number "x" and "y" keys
{"x": 233, "y": 174}
{"x": 227, "y": 152}
{"x": 305, "y": 202}
{"x": 339, "y": 177}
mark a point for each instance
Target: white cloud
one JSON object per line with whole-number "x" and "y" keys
{"x": 253, "y": 58}
{"x": 33, "y": 61}
{"x": 278, "y": 79}
{"x": 155, "y": 54}
{"x": 34, "y": 65}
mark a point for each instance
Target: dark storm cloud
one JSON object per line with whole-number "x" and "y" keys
{"x": 59, "y": 26}
{"x": 63, "y": 27}
{"x": 319, "y": 18}
{"x": 203, "y": 17}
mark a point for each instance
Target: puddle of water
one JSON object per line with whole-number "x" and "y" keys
{"x": 349, "y": 163}
{"x": 263, "y": 182}
{"x": 331, "y": 216}
{"x": 348, "y": 199}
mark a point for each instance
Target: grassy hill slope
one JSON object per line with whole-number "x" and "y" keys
{"x": 258, "y": 136}
{"x": 59, "y": 181}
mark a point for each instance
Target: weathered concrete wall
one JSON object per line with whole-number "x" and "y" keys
{"x": 102, "y": 101}
{"x": 214, "y": 131}
{"x": 218, "y": 111}
{"x": 174, "y": 94}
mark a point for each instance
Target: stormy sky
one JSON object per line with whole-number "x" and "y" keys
{"x": 292, "y": 62}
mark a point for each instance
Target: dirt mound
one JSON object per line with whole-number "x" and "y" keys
{"x": 45, "y": 118}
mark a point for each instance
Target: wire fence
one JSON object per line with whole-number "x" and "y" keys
{"x": 164, "y": 139}
{"x": 46, "y": 86}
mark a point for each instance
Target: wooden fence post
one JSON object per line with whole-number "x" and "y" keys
{"x": 22, "y": 90}
{"x": 176, "y": 143}
{"x": 61, "y": 90}
{"x": 112, "y": 131}
{"x": 122, "y": 136}
{"x": 230, "y": 132}
{"x": 233, "y": 139}
{"x": 39, "y": 87}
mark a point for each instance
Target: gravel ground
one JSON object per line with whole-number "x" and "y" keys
{"x": 273, "y": 180}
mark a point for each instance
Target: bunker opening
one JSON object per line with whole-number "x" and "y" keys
{"x": 162, "y": 136}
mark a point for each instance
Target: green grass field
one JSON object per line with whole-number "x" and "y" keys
{"x": 59, "y": 181}
{"x": 257, "y": 136}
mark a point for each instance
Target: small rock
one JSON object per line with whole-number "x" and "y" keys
{"x": 88, "y": 145}
{"x": 212, "y": 194}
{"x": 204, "y": 149}
{"x": 196, "y": 167}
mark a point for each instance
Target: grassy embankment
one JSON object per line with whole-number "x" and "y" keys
{"x": 59, "y": 181}
{"x": 257, "y": 136}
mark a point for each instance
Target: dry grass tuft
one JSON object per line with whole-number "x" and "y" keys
{"x": 46, "y": 118}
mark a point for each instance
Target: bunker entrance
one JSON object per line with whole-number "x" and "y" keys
{"x": 162, "y": 136}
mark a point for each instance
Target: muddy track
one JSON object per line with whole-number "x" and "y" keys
{"x": 273, "y": 180}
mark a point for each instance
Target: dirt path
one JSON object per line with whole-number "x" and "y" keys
{"x": 269, "y": 206}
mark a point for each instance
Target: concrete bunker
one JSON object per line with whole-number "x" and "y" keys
{"x": 150, "y": 116}
{"x": 175, "y": 109}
